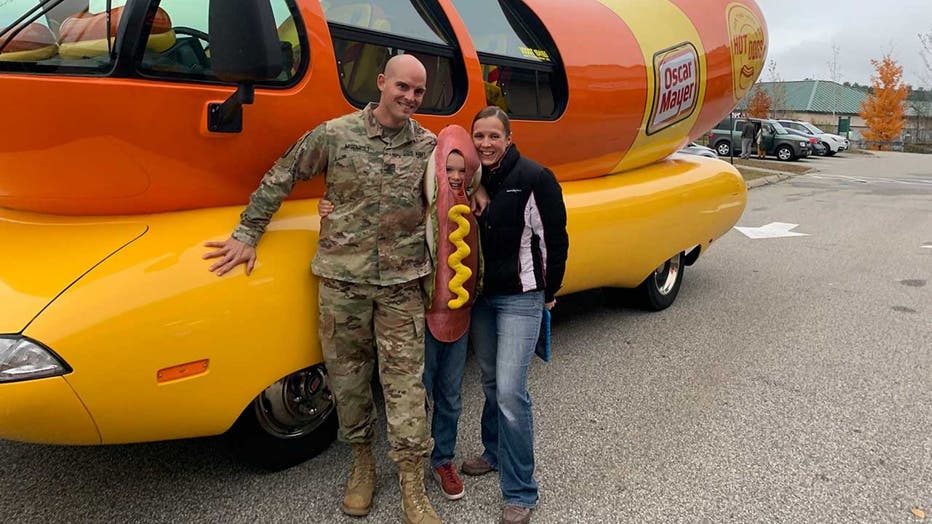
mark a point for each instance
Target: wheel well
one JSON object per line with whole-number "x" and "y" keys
{"x": 690, "y": 256}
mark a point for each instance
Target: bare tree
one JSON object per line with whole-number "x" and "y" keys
{"x": 779, "y": 91}
{"x": 925, "y": 51}
{"x": 920, "y": 116}
{"x": 834, "y": 71}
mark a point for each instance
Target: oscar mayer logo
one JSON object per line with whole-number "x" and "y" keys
{"x": 746, "y": 40}
{"x": 676, "y": 86}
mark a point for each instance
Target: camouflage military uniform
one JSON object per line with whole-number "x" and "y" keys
{"x": 370, "y": 256}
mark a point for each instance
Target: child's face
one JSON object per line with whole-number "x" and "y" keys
{"x": 456, "y": 171}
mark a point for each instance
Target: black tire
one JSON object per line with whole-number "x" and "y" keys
{"x": 829, "y": 152}
{"x": 290, "y": 422}
{"x": 723, "y": 148}
{"x": 659, "y": 289}
{"x": 785, "y": 153}
{"x": 657, "y": 292}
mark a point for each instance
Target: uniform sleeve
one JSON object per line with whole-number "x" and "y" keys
{"x": 306, "y": 157}
{"x": 549, "y": 198}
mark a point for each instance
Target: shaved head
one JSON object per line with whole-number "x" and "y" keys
{"x": 404, "y": 63}
{"x": 402, "y": 88}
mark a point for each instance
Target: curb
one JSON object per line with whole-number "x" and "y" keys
{"x": 767, "y": 180}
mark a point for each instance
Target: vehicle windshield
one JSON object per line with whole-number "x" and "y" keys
{"x": 385, "y": 16}
{"x": 779, "y": 129}
{"x": 812, "y": 129}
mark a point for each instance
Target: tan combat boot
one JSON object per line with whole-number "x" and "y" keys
{"x": 361, "y": 484}
{"x": 415, "y": 506}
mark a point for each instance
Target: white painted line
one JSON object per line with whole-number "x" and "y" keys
{"x": 843, "y": 177}
{"x": 771, "y": 230}
{"x": 910, "y": 181}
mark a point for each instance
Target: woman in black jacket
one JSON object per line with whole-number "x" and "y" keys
{"x": 524, "y": 247}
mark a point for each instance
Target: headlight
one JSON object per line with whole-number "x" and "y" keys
{"x": 803, "y": 143}
{"x": 23, "y": 359}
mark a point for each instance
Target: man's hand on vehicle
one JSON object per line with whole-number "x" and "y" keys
{"x": 231, "y": 253}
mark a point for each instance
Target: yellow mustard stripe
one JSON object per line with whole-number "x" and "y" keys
{"x": 91, "y": 48}
{"x": 33, "y": 55}
{"x": 455, "y": 260}
{"x": 659, "y": 25}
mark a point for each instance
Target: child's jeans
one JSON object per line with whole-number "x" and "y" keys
{"x": 444, "y": 363}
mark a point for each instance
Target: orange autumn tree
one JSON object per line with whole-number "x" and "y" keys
{"x": 883, "y": 110}
{"x": 759, "y": 104}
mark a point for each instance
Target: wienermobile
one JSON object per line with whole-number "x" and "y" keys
{"x": 135, "y": 130}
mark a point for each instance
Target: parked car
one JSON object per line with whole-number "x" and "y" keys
{"x": 693, "y": 148}
{"x": 818, "y": 147}
{"x": 832, "y": 142}
{"x": 777, "y": 140}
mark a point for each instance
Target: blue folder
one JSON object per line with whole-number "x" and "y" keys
{"x": 543, "y": 339}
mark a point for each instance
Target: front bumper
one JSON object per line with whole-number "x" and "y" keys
{"x": 45, "y": 411}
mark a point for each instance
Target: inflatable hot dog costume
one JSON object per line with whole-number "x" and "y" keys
{"x": 452, "y": 236}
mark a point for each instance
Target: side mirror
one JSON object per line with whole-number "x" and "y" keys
{"x": 244, "y": 48}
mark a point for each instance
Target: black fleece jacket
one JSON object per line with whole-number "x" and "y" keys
{"x": 523, "y": 229}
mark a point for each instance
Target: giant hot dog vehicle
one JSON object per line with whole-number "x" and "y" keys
{"x": 134, "y": 131}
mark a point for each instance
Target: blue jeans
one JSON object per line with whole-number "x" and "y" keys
{"x": 504, "y": 333}
{"x": 444, "y": 363}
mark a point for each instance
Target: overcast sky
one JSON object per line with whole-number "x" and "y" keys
{"x": 802, "y": 33}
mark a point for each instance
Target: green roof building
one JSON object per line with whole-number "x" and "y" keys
{"x": 823, "y": 102}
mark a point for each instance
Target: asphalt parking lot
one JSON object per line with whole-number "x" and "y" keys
{"x": 788, "y": 383}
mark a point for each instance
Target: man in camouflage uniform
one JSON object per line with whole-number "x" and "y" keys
{"x": 370, "y": 257}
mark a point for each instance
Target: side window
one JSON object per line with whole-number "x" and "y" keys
{"x": 178, "y": 41}
{"x": 520, "y": 64}
{"x": 58, "y": 37}
{"x": 367, "y": 33}
{"x": 739, "y": 126}
{"x": 80, "y": 37}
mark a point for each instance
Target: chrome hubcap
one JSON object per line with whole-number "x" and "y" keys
{"x": 666, "y": 274}
{"x": 295, "y": 405}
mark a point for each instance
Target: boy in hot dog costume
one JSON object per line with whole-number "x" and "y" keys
{"x": 453, "y": 175}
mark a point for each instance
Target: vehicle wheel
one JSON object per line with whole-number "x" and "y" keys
{"x": 291, "y": 421}
{"x": 828, "y": 151}
{"x": 723, "y": 148}
{"x": 822, "y": 152}
{"x": 785, "y": 152}
{"x": 659, "y": 289}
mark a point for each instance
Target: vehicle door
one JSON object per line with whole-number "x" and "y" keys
{"x": 736, "y": 135}
{"x": 131, "y": 104}
{"x": 769, "y": 138}
{"x": 126, "y": 87}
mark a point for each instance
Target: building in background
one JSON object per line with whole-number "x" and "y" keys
{"x": 829, "y": 105}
